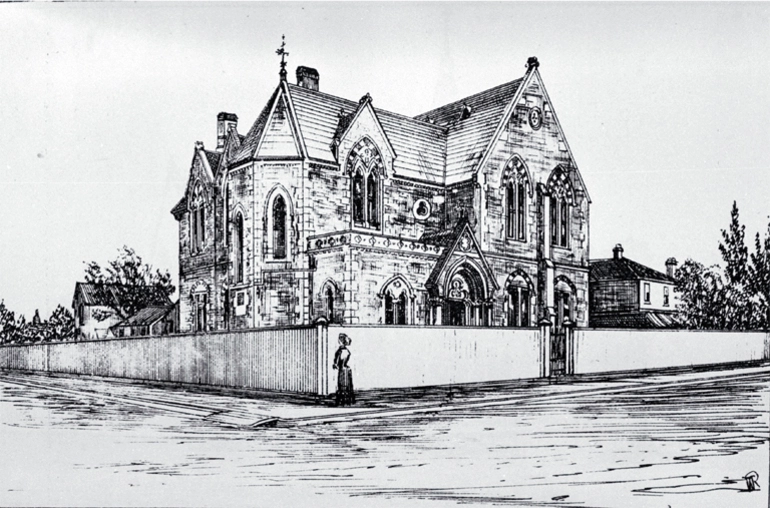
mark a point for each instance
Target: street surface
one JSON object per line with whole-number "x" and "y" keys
{"x": 685, "y": 446}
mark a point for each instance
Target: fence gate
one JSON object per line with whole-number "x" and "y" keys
{"x": 559, "y": 351}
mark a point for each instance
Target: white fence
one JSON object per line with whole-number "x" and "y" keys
{"x": 410, "y": 356}
{"x": 272, "y": 359}
{"x": 599, "y": 350}
{"x": 299, "y": 360}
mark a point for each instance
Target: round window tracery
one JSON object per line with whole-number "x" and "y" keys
{"x": 421, "y": 209}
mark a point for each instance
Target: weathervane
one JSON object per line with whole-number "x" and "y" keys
{"x": 281, "y": 51}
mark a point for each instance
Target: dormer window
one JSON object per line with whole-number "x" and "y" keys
{"x": 366, "y": 169}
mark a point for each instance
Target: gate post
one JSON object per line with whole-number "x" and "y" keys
{"x": 569, "y": 338}
{"x": 322, "y": 352}
{"x": 545, "y": 347}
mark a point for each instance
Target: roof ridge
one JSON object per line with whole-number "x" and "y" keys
{"x": 463, "y": 99}
{"x": 376, "y": 110}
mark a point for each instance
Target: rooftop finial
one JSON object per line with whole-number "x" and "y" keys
{"x": 532, "y": 63}
{"x": 283, "y": 53}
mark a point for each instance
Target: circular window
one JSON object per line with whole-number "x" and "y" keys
{"x": 535, "y": 118}
{"x": 421, "y": 209}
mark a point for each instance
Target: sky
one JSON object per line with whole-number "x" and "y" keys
{"x": 665, "y": 107}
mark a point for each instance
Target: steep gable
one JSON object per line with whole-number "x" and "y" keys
{"x": 279, "y": 139}
{"x": 468, "y": 139}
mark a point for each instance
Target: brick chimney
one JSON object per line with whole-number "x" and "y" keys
{"x": 617, "y": 252}
{"x": 671, "y": 266}
{"x": 307, "y": 77}
{"x": 225, "y": 122}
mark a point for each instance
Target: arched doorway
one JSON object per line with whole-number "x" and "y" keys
{"x": 465, "y": 298}
{"x": 564, "y": 304}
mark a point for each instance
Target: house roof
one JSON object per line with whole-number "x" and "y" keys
{"x": 624, "y": 269}
{"x": 251, "y": 139}
{"x": 179, "y": 208}
{"x": 91, "y": 295}
{"x": 213, "y": 158}
{"x": 468, "y": 139}
{"x": 418, "y": 144}
{"x": 146, "y": 316}
{"x": 651, "y": 319}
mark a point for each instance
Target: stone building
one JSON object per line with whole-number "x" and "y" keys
{"x": 471, "y": 214}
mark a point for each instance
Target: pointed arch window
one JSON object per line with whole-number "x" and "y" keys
{"x": 238, "y": 248}
{"x": 279, "y": 228}
{"x": 329, "y": 303}
{"x": 365, "y": 166}
{"x": 561, "y": 201}
{"x": 397, "y": 302}
{"x": 358, "y": 197}
{"x": 519, "y": 301}
{"x": 516, "y": 181}
{"x": 198, "y": 223}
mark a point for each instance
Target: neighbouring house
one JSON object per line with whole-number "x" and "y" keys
{"x": 93, "y": 307}
{"x": 153, "y": 320}
{"x": 627, "y": 294}
{"x": 470, "y": 214}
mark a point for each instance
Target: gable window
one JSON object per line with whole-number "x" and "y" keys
{"x": 198, "y": 225}
{"x": 238, "y": 248}
{"x": 365, "y": 167}
{"x": 358, "y": 197}
{"x": 562, "y": 198}
{"x": 559, "y": 222}
{"x": 665, "y": 296}
{"x": 516, "y": 178}
{"x": 279, "y": 228}
{"x": 515, "y": 214}
{"x": 646, "y": 292}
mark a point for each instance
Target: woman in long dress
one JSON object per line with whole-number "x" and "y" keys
{"x": 345, "y": 394}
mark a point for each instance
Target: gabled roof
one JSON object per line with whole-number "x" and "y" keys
{"x": 213, "y": 158}
{"x": 251, "y": 140}
{"x": 146, "y": 316}
{"x": 624, "y": 269}
{"x": 179, "y": 208}
{"x": 419, "y": 145}
{"x": 91, "y": 295}
{"x": 449, "y": 240}
{"x": 467, "y": 139}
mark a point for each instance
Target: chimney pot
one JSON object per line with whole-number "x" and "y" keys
{"x": 671, "y": 266}
{"x": 617, "y": 252}
{"x": 225, "y": 122}
{"x": 307, "y": 77}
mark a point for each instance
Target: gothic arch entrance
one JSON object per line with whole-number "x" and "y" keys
{"x": 465, "y": 298}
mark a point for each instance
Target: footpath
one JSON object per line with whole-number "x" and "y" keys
{"x": 245, "y": 409}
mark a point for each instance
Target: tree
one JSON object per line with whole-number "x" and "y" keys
{"x": 7, "y": 324}
{"x": 759, "y": 279}
{"x": 738, "y": 310}
{"x": 61, "y": 324}
{"x": 702, "y": 294}
{"x": 128, "y": 284}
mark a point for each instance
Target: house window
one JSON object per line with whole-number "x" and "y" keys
{"x": 515, "y": 203}
{"x": 200, "y": 300}
{"x": 397, "y": 300}
{"x": 330, "y": 304}
{"x": 198, "y": 226}
{"x": 238, "y": 248}
{"x": 518, "y": 300}
{"x": 646, "y": 292}
{"x": 371, "y": 200}
{"x": 365, "y": 167}
{"x": 559, "y": 222}
{"x": 665, "y": 296}
{"x": 279, "y": 228}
